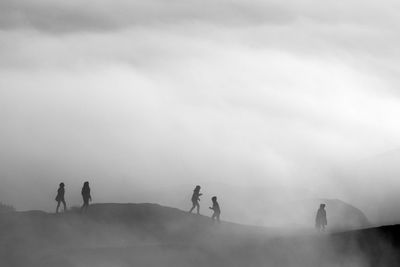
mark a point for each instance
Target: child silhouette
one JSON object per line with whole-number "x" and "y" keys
{"x": 216, "y": 209}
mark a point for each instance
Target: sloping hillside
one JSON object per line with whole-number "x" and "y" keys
{"x": 152, "y": 235}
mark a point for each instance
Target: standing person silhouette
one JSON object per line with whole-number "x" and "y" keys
{"x": 60, "y": 197}
{"x": 86, "y": 196}
{"x": 195, "y": 199}
{"x": 216, "y": 209}
{"x": 320, "y": 219}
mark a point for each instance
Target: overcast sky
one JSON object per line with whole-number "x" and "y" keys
{"x": 137, "y": 96}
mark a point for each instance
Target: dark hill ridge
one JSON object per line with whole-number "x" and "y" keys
{"x": 380, "y": 245}
{"x": 143, "y": 221}
{"x": 124, "y": 235}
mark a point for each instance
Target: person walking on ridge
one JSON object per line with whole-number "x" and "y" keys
{"x": 86, "y": 196}
{"x": 320, "y": 219}
{"x": 60, "y": 197}
{"x": 195, "y": 199}
{"x": 216, "y": 209}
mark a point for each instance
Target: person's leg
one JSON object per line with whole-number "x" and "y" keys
{"x": 213, "y": 216}
{"x": 83, "y": 208}
{"x": 87, "y": 204}
{"x": 218, "y": 217}
{"x": 198, "y": 207}
{"x": 58, "y": 206}
{"x": 64, "y": 204}
{"x": 194, "y": 205}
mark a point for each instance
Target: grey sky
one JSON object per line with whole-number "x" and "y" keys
{"x": 137, "y": 95}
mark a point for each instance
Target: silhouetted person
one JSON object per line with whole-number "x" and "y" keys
{"x": 60, "y": 197}
{"x": 216, "y": 209}
{"x": 320, "y": 220}
{"x": 86, "y": 196}
{"x": 195, "y": 199}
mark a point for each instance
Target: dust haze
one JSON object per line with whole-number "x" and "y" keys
{"x": 272, "y": 106}
{"x": 260, "y": 102}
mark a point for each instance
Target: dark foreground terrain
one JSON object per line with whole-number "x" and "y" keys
{"x": 120, "y": 235}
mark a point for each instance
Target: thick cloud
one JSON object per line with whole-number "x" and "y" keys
{"x": 60, "y": 16}
{"x": 73, "y": 16}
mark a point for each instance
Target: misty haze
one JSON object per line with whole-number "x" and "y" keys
{"x": 199, "y": 133}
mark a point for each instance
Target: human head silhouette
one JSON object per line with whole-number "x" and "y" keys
{"x": 214, "y": 199}
{"x": 322, "y": 206}
{"x": 197, "y": 188}
{"x": 61, "y": 185}
{"x": 86, "y": 184}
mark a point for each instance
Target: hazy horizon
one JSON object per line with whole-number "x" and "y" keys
{"x": 146, "y": 99}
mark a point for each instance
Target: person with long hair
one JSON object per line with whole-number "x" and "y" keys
{"x": 86, "y": 196}
{"x": 195, "y": 199}
{"x": 60, "y": 197}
